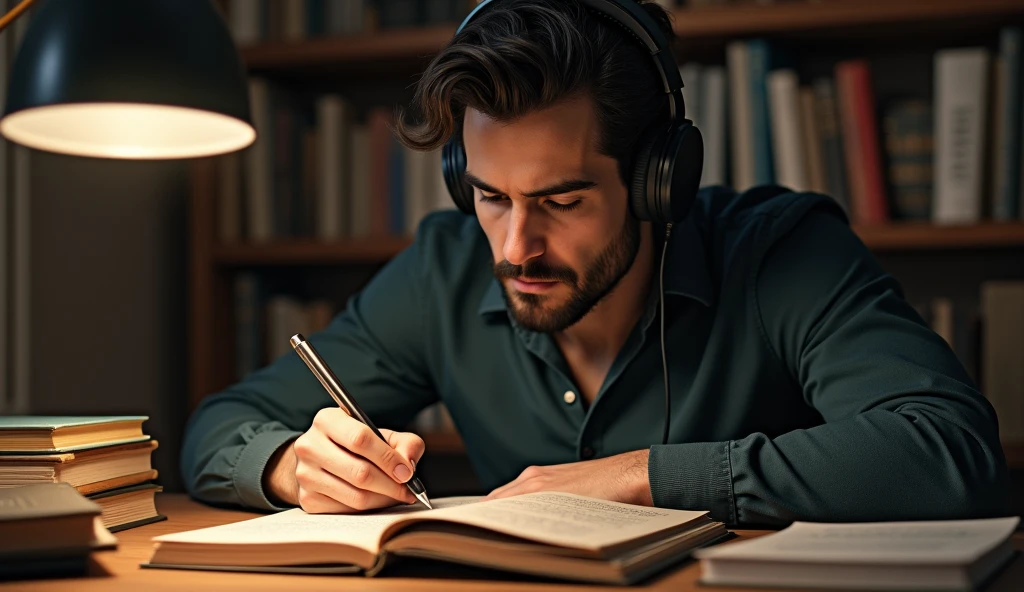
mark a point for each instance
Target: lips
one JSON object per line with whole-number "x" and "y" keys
{"x": 533, "y": 286}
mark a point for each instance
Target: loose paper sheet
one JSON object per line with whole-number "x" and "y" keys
{"x": 940, "y": 542}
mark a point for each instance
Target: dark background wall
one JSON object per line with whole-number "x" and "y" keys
{"x": 108, "y": 253}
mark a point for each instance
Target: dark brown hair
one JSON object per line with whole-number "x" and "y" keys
{"x": 518, "y": 56}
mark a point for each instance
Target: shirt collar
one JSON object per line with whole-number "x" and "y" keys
{"x": 686, "y": 271}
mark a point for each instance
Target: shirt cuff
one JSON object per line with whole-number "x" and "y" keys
{"x": 248, "y": 475}
{"x": 693, "y": 476}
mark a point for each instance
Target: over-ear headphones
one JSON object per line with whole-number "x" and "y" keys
{"x": 669, "y": 157}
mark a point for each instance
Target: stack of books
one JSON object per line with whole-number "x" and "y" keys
{"x": 105, "y": 458}
{"x": 49, "y": 530}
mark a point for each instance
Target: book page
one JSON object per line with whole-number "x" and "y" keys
{"x": 296, "y": 526}
{"x": 939, "y": 542}
{"x": 565, "y": 519}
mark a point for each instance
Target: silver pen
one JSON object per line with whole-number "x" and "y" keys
{"x": 344, "y": 400}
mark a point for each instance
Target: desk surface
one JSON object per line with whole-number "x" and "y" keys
{"x": 119, "y": 570}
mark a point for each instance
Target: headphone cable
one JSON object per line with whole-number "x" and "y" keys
{"x": 661, "y": 300}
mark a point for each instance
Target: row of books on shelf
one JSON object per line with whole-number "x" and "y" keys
{"x": 318, "y": 171}
{"x": 988, "y": 341}
{"x": 954, "y": 157}
{"x": 321, "y": 168}
{"x": 258, "y": 21}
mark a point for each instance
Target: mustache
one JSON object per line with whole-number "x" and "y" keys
{"x": 536, "y": 271}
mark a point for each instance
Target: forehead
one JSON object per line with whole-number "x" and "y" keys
{"x": 564, "y": 134}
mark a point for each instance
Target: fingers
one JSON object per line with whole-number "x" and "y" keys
{"x": 321, "y": 493}
{"x": 356, "y": 437}
{"x": 362, "y": 474}
{"x": 407, "y": 444}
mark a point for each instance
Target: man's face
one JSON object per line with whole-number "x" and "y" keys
{"x": 554, "y": 211}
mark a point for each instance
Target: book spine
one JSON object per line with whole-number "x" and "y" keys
{"x": 760, "y": 119}
{"x": 1006, "y": 205}
{"x": 960, "y": 88}
{"x": 742, "y": 143}
{"x": 714, "y": 110}
{"x": 907, "y": 127}
{"x": 834, "y": 160}
{"x": 787, "y": 139}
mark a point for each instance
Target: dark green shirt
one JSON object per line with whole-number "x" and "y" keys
{"x": 803, "y": 384}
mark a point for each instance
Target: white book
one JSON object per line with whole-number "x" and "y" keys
{"x": 332, "y": 112}
{"x": 713, "y": 114}
{"x": 961, "y": 84}
{"x": 244, "y": 22}
{"x": 787, "y": 137}
{"x": 741, "y": 130}
{"x": 936, "y": 555}
{"x": 259, "y": 165}
{"x": 359, "y": 202}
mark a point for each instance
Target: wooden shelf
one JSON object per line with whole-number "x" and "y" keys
{"x": 308, "y": 252}
{"x": 370, "y": 51}
{"x": 737, "y": 20}
{"x": 920, "y": 236}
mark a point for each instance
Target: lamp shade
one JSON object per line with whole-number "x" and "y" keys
{"x": 138, "y": 79}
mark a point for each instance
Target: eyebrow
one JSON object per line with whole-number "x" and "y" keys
{"x": 559, "y": 188}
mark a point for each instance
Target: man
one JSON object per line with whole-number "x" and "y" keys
{"x": 802, "y": 385}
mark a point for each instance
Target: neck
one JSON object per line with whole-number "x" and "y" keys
{"x": 599, "y": 335}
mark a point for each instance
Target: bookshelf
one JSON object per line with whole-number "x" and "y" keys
{"x": 386, "y": 58}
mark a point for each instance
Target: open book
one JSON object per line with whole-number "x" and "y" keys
{"x": 549, "y": 534}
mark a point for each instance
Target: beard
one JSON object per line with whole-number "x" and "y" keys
{"x": 599, "y": 278}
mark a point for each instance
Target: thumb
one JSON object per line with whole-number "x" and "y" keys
{"x": 407, "y": 444}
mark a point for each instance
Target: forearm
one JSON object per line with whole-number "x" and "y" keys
{"x": 228, "y": 443}
{"x": 915, "y": 462}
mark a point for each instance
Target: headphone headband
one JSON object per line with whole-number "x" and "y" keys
{"x": 632, "y": 17}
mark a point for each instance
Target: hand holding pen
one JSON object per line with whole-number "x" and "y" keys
{"x": 344, "y": 463}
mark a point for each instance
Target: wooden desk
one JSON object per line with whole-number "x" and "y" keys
{"x": 119, "y": 570}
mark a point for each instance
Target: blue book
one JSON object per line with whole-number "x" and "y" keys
{"x": 760, "y": 118}
{"x": 64, "y": 433}
{"x": 316, "y": 15}
{"x": 1006, "y": 205}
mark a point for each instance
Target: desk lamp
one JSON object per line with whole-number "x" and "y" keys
{"x": 131, "y": 79}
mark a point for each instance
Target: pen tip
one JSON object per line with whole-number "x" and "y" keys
{"x": 423, "y": 498}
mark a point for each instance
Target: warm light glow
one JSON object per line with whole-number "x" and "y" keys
{"x": 127, "y": 130}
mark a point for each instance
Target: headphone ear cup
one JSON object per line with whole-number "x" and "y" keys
{"x": 638, "y": 204}
{"x": 453, "y": 168}
{"x": 666, "y": 174}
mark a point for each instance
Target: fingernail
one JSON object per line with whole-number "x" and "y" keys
{"x": 402, "y": 473}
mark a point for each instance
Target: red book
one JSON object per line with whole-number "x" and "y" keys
{"x": 860, "y": 143}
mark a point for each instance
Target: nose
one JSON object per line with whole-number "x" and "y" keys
{"x": 523, "y": 240}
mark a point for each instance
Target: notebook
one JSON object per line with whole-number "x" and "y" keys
{"x": 550, "y": 534}
{"x": 40, "y": 433}
{"x": 940, "y": 555}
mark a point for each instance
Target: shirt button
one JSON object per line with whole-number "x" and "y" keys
{"x": 587, "y": 453}
{"x": 569, "y": 397}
